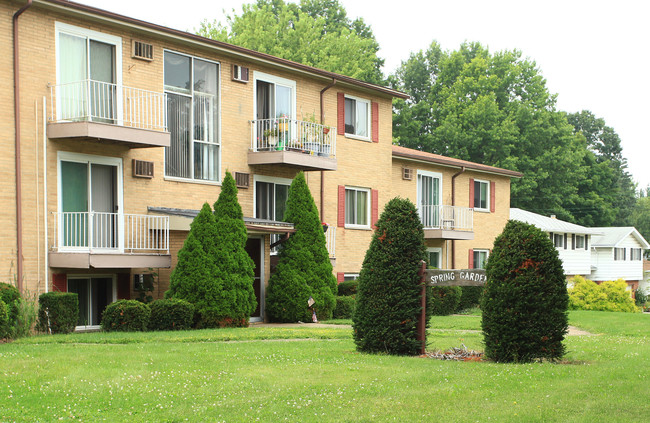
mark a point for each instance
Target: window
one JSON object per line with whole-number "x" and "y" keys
{"x": 271, "y": 201}
{"x": 357, "y": 117}
{"x": 275, "y": 111}
{"x": 619, "y": 253}
{"x": 636, "y": 254}
{"x": 558, "y": 240}
{"x": 580, "y": 241}
{"x": 434, "y": 257}
{"x": 89, "y": 74}
{"x": 348, "y": 277}
{"x": 480, "y": 258}
{"x": 191, "y": 85}
{"x": 429, "y": 198}
{"x": 481, "y": 195}
{"x": 357, "y": 207}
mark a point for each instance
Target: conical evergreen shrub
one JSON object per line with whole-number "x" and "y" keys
{"x": 195, "y": 277}
{"x": 525, "y": 299}
{"x": 234, "y": 265}
{"x": 388, "y": 296}
{"x": 304, "y": 267}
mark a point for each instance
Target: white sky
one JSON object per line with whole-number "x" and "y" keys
{"x": 593, "y": 53}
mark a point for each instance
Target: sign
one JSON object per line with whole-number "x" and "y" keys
{"x": 455, "y": 277}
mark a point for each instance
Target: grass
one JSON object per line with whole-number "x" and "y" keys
{"x": 315, "y": 374}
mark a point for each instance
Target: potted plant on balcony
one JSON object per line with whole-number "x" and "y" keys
{"x": 271, "y": 137}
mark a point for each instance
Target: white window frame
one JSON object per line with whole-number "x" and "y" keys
{"x": 94, "y": 276}
{"x": 418, "y": 194}
{"x": 487, "y": 193}
{"x": 480, "y": 250}
{"x": 368, "y": 207}
{"x": 559, "y": 244}
{"x": 636, "y": 254}
{"x": 269, "y": 180}
{"x": 116, "y": 41}
{"x": 276, "y": 80}
{"x": 354, "y": 277}
{"x": 65, "y": 156}
{"x": 580, "y": 242}
{"x": 218, "y": 135}
{"x": 368, "y": 123}
{"x": 618, "y": 252}
{"x": 435, "y": 250}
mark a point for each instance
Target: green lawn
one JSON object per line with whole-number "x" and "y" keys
{"x": 303, "y": 374}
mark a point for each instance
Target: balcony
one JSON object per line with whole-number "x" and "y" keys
{"x": 296, "y": 143}
{"x": 447, "y": 222}
{"x": 95, "y": 110}
{"x": 87, "y": 240}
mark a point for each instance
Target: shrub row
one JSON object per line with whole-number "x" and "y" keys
{"x": 345, "y": 306}
{"x": 133, "y": 316}
{"x": 58, "y": 312}
{"x": 608, "y": 296}
{"x": 10, "y": 296}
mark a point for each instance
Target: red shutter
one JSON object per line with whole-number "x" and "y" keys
{"x": 374, "y": 211}
{"x": 493, "y": 196}
{"x": 340, "y": 114}
{"x": 340, "y": 277}
{"x": 341, "y": 211}
{"x": 375, "y": 121}
{"x": 471, "y": 192}
{"x": 470, "y": 261}
{"x": 123, "y": 286}
{"x": 59, "y": 282}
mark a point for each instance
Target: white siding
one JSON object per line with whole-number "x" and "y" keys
{"x": 574, "y": 262}
{"x": 608, "y": 269}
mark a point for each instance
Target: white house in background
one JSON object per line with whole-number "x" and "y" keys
{"x": 618, "y": 254}
{"x": 571, "y": 241}
{"x": 645, "y": 283}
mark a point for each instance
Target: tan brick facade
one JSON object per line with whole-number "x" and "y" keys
{"x": 360, "y": 163}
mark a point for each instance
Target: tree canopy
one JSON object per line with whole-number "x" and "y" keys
{"x": 315, "y": 32}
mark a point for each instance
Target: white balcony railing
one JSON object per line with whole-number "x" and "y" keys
{"x": 447, "y": 217}
{"x": 104, "y": 102}
{"x": 283, "y": 134}
{"x": 114, "y": 232}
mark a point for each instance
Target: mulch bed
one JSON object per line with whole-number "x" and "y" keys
{"x": 457, "y": 354}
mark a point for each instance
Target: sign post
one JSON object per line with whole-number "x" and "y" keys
{"x": 439, "y": 277}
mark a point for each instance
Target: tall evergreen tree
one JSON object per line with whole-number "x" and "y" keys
{"x": 304, "y": 269}
{"x": 388, "y": 296}
{"x": 195, "y": 277}
{"x": 234, "y": 265}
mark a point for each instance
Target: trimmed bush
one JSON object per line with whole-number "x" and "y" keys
{"x": 4, "y": 319}
{"x": 608, "y": 296}
{"x": 14, "y": 302}
{"x": 470, "y": 297}
{"x": 348, "y": 288}
{"x": 388, "y": 299}
{"x": 58, "y": 312}
{"x": 345, "y": 306}
{"x": 525, "y": 300}
{"x": 444, "y": 300}
{"x": 126, "y": 316}
{"x": 171, "y": 314}
{"x": 304, "y": 269}
{"x": 640, "y": 297}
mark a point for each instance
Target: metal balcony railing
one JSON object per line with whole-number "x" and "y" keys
{"x": 447, "y": 217}
{"x": 116, "y": 232}
{"x": 104, "y": 102}
{"x": 284, "y": 134}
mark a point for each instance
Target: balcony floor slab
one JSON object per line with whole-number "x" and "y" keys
{"x": 133, "y": 137}
{"x": 292, "y": 158}
{"x": 85, "y": 260}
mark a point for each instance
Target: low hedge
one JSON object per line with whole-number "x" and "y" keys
{"x": 345, "y": 306}
{"x": 348, "y": 288}
{"x": 171, "y": 314}
{"x": 10, "y": 295}
{"x": 608, "y": 296}
{"x": 443, "y": 300}
{"x": 4, "y": 330}
{"x": 58, "y": 312}
{"x": 470, "y": 297}
{"x": 126, "y": 316}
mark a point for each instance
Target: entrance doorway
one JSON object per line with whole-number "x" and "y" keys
{"x": 94, "y": 293}
{"x": 255, "y": 249}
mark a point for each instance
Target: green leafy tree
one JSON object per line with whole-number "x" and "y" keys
{"x": 607, "y": 193}
{"x": 388, "y": 296}
{"x": 195, "y": 277}
{"x": 640, "y": 218}
{"x": 304, "y": 269}
{"x": 493, "y": 109}
{"x": 525, "y": 299}
{"x": 234, "y": 265}
{"x": 315, "y": 32}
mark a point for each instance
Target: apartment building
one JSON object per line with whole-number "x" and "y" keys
{"x": 122, "y": 129}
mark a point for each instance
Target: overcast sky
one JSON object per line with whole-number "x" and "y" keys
{"x": 593, "y": 54}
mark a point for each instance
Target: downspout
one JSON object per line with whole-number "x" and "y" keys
{"x": 453, "y": 203}
{"x": 322, "y": 172}
{"x": 47, "y": 265}
{"x": 19, "y": 194}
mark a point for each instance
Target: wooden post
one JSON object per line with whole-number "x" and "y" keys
{"x": 422, "y": 327}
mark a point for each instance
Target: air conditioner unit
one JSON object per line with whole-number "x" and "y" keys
{"x": 239, "y": 73}
{"x": 142, "y": 51}
{"x": 407, "y": 173}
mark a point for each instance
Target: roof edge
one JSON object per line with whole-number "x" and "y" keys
{"x": 233, "y": 49}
